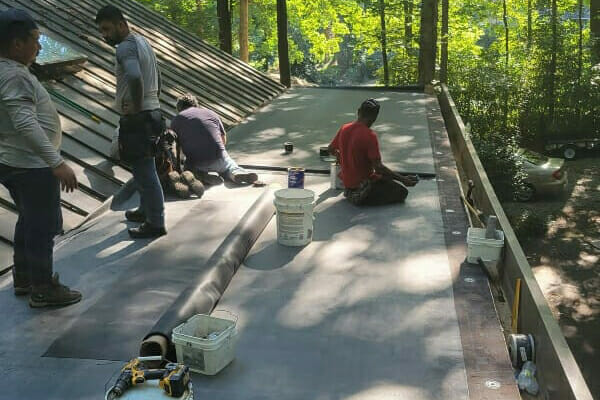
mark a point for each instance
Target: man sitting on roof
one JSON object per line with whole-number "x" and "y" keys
{"x": 202, "y": 138}
{"x": 366, "y": 179}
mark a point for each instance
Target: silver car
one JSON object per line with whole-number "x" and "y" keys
{"x": 543, "y": 174}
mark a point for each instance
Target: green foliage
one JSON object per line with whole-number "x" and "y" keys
{"x": 519, "y": 101}
{"x": 529, "y": 224}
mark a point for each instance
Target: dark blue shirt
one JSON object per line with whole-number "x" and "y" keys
{"x": 200, "y": 133}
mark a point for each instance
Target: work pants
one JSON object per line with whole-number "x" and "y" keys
{"x": 36, "y": 194}
{"x": 378, "y": 193}
{"x": 152, "y": 201}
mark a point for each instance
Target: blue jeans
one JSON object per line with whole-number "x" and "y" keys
{"x": 224, "y": 166}
{"x": 36, "y": 193}
{"x": 152, "y": 201}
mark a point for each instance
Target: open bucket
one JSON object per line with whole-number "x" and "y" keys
{"x": 294, "y": 216}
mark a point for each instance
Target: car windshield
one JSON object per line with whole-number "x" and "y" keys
{"x": 533, "y": 157}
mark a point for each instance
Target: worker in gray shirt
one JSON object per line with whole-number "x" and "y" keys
{"x": 31, "y": 167}
{"x": 138, "y": 88}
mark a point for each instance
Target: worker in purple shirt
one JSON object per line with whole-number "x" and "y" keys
{"x": 203, "y": 138}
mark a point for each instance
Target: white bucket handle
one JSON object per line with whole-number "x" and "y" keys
{"x": 228, "y": 312}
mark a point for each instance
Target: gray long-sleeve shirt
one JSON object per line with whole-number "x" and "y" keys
{"x": 30, "y": 131}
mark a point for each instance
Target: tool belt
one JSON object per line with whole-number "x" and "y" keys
{"x": 139, "y": 134}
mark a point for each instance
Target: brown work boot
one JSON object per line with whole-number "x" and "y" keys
{"x": 135, "y": 215}
{"x": 194, "y": 184}
{"x": 208, "y": 179}
{"x": 147, "y": 231}
{"x": 247, "y": 177}
{"x": 53, "y": 294}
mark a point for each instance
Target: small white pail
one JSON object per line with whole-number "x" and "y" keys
{"x": 334, "y": 180}
{"x": 294, "y": 216}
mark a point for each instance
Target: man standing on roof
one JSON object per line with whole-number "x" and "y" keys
{"x": 202, "y": 138}
{"x": 138, "y": 89}
{"x": 366, "y": 179}
{"x": 31, "y": 167}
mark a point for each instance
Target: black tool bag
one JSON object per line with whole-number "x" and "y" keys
{"x": 139, "y": 135}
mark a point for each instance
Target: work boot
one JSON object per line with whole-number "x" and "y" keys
{"x": 21, "y": 284}
{"x": 53, "y": 294}
{"x": 246, "y": 177}
{"x": 195, "y": 185}
{"x": 180, "y": 188}
{"x": 208, "y": 178}
{"x": 135, "y": 215}
{"x": 147, "y": 231}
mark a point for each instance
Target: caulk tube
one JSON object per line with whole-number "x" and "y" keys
{"x": 208, "y": 287}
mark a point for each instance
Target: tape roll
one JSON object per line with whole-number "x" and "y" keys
{"x": 521, "y": 349}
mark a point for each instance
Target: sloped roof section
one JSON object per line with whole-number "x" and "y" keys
{"x": 85, "y": 101}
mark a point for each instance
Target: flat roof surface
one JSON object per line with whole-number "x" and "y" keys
{"x": 365, "y": 311}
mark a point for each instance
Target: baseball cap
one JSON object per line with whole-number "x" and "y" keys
{"x": 14, "y": 15}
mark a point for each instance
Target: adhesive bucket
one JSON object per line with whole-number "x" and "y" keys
{"x": 294, "y": 216}
{"x": 480, "y": 247}
{"x": 205, "y": 343}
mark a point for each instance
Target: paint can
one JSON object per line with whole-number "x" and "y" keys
{"x": 521, "y": 349}
{"x": 335, "y": 182}
{"x": 288, "y": 147}
{"x": 296, "y": 178}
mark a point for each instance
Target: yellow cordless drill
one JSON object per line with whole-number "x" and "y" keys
{"x": 173, "y": 378}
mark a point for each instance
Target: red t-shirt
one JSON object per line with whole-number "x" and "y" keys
{"x": 358, "y": 147}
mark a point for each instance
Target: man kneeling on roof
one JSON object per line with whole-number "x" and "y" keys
{"x": 202, "y": 138}
{"x": 366, "y": 180}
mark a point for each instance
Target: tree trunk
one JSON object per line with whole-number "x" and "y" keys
{"x": 224, "y": 16}
{"x": 282, "y": 44}
{"x": 428, "y": 41}
{"x": 506, "y": 72}
{"x": 199, "y": 6}
{"x": 444, "y": 55}
{"x": 244, "y": 30}
{"x": 552, "y": 66}
{"x": 529, "y": 23}
{"x": 595, "y": 30}
{"x": 580, "y": 45}
{"x": 408, "y": 25}
{"x": 386, "y": 71}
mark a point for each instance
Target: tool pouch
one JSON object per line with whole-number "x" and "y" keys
{"x": 139, "y": 135}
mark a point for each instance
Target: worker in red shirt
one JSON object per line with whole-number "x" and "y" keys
{"x": 366, "y": 180}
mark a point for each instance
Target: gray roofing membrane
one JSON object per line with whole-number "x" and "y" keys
{"x": 365, "y": 311}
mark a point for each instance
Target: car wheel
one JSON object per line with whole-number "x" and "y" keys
{"x": 569, "y": 152}
{"x": 526, "y": 193}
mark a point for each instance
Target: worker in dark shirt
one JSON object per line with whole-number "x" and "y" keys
{"x": 366, "y": 179}
{"x": 202, "y": 138}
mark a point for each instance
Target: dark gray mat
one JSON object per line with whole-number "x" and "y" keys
{"x": 113, "y": 327}
{"x": 310, "y": 118}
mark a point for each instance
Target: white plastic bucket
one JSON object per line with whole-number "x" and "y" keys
{"x": 334, "y": 180}
{"x": 480, "y": 247}
{"x": 294, "y": 216}
{"x": 205, "y": 353}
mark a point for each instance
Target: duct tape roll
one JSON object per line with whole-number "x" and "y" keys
{"x": 521, "y": 349}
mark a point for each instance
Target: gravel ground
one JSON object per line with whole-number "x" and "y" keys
{"x": 561, "y": 239}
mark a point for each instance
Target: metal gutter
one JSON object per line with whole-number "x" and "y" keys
{"x": 558, "y": 373}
